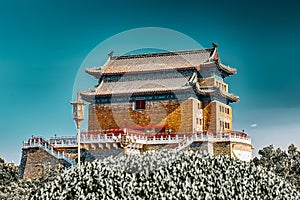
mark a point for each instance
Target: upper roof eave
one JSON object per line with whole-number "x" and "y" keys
{"x": 229, "y": 70}
{"x": 96, "y": 72}
{"x": 210, "y": 90}
{"x": 138, "y": 63}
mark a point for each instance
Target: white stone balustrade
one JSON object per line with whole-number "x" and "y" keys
{"x": 197, "y": 137}
{"x": 183, "y": 140}
{"x": 48, "y": 148}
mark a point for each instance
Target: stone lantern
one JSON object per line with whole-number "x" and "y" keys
{"x": 78, "y": 116}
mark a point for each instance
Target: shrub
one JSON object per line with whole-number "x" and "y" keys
{"x": 282, "y": 163}
{"x": 168, "y": 175}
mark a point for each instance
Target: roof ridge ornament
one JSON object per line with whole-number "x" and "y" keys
{"x": 214, "y": 45}
{"x": 214, "y": 52}
{"x": 159, "y": 54}
{"x": 111, "y": 54}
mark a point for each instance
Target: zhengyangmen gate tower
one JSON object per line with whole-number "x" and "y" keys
{"x": 148, "y": 102}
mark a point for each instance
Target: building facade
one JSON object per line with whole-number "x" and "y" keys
{"x": 154, "y": 101}
{"x": 167, "y": 94}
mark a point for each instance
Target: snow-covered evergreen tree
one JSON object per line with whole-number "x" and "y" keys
{"x": 282, "y": 163}
{"x": 168, "y": 175}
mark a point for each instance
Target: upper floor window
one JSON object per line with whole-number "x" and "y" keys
{"x": 224, "y": 109}
{"x": 139, "y": 104}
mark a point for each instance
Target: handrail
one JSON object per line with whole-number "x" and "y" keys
{"x": 48, "y": 148}
{"x": 153, "y": 139}
{"x": 70, "y": 141}
{"x": 181, "y": 140}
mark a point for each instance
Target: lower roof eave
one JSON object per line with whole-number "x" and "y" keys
{"x": 208, "y": 90}
{"x": 143, "y": 92}
{"x": 88, "y": 96}
{"x": 230, "y": 97}
{"x": 227, "y": 69}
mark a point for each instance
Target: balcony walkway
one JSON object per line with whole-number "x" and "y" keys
{"x": 137, "y": 140}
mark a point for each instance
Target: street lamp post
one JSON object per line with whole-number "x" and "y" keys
{"x": 78, "y": 116}
{"x": 124, "y": 141}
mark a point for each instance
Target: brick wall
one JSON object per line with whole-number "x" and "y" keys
{"x": 222, "y": 148}
{"x": 243, "y": 147}
{"x": 222, "y": 115}
{"x": 93, "y": 123}
{"x": 213, "y": 115}
{"x": 36, "y": 161}
{"x": 209, "y": 112}
{"x": 24, "y": 156}
{"x": 177, "y": 115}
{"x": 197, "y": 115}
{"x": 211, "y": 81}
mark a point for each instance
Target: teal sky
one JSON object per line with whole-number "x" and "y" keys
{"x": 43, "y": 43}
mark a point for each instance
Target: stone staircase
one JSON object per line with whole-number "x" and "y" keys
{"x": 41, "y": 143}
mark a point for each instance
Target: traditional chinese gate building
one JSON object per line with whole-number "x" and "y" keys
{"x": 167, "y": 94}
{"x": 149, "y": 102}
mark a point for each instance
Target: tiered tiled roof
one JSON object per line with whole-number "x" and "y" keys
{"x": 146, "y": 86}
{"x": 139, "y": 86}
{"x": 157, "y": 61}
{"x": 127, "y": 86}
{"x": 140, "y": 63}
{"x": 159, "y": 66}
{"x": 152, "y": 62}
